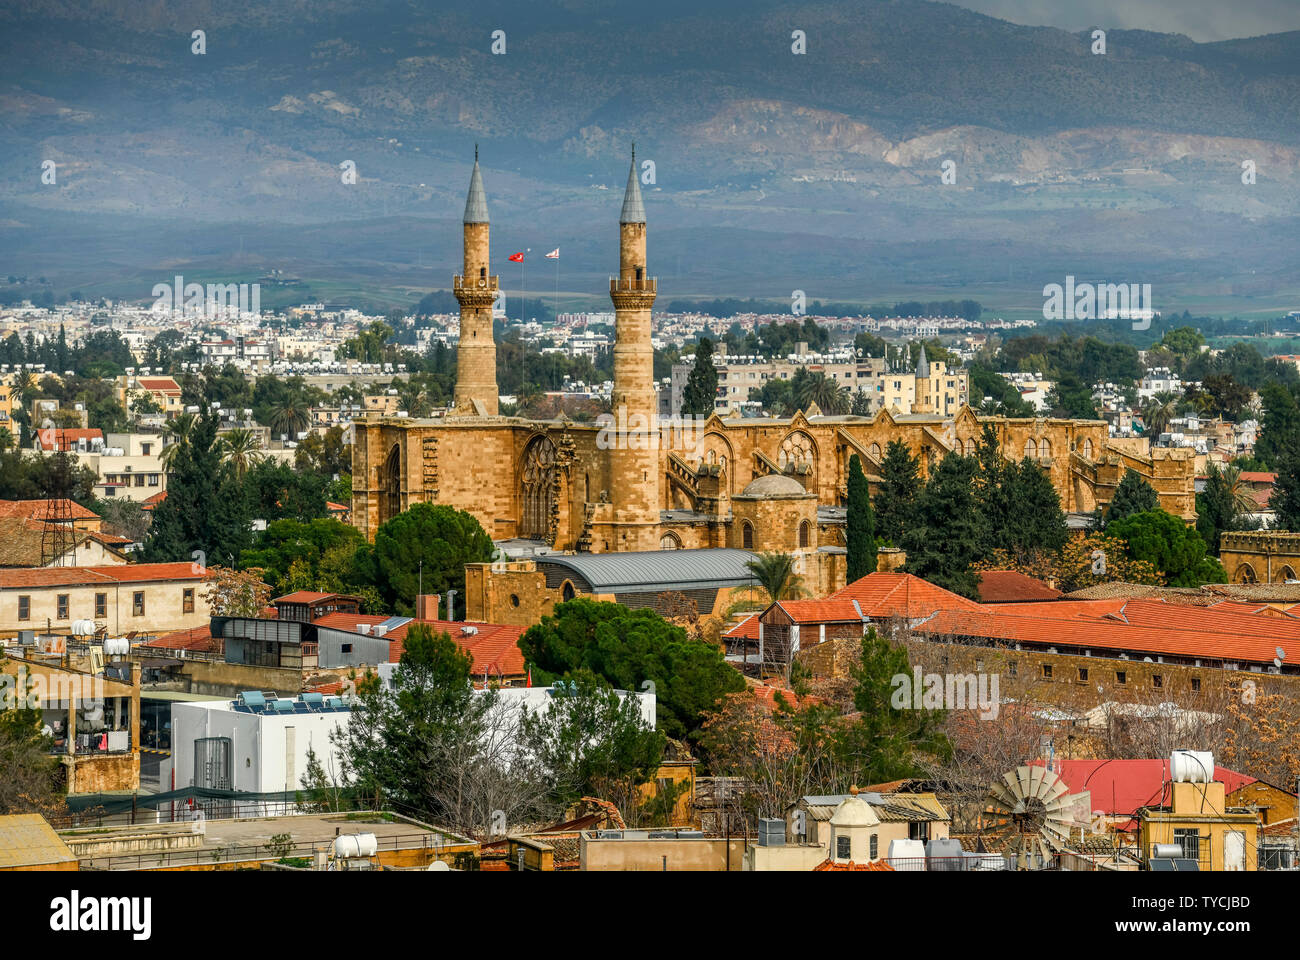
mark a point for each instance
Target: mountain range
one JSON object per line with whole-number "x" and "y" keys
{"x": 773, "y": 171}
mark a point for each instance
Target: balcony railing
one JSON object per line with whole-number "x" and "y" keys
{"x": 474, "y": 283}
{"x": 633, "y": 285}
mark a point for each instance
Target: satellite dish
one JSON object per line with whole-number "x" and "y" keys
{"x": 1281, "y": 655}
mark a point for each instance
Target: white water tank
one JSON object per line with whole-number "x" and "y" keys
{"x": 117, "y": 647}
{"x": 907, "y": 855}
{"x": 83, "y": 628}
{"x": 352, "y": 845}
{"x": 1191, "y": 766}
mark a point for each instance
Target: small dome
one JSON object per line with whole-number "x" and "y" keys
{"x": 775, "y": 485}
{"x": 854, "y": 812}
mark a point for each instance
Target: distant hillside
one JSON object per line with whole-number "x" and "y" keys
{"x": 769, "y": 166}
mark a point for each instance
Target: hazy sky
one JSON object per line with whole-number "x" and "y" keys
{"x": 1199, "y": 19}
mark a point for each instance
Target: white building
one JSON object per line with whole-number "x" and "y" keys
{"x": 254, "y": 744}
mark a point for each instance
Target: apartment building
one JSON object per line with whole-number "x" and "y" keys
{"x": 885, "y": 389}
{"x": 140, "y": 598}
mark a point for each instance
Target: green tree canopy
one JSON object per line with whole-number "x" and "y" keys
{"x": 1133, "y": 495}
{"x": 629, "y": 647}
{"x": 860, "y": 525}
{"x": 900, "y": 486}
{"x": 1172, "y": 547}
{"x": 947, "y": 530}
{"x": 701, "y": 391}
{"x": 441, "y": 536}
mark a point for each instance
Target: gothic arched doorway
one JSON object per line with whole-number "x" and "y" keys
{"x": 540, "y": 482}
{"x": 390, "y": 485}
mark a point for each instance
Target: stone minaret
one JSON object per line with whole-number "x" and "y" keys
{"x": 476, "y": 290}
{"x": 635, "y": 461}
{"x": 922, "y": 388}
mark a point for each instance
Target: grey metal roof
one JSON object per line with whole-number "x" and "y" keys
{"x": 633, "y": 208}
{"x": 651, "y": 570}
{"x": 476, "y": 202}
{"x": 923, "y": 365}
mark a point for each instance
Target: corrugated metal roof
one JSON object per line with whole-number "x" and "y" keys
{"x": 896, "y": 808}
{"x": 648, "y": 570}
{"x": 26, "y": 840}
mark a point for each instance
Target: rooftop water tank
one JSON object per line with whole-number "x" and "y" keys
{"x": 907, "y": 855}
{"x": 352, "y": 845}
{"x": 1191, "y": 766}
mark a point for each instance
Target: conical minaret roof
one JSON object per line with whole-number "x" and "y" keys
{"x": 476, "y": 202}
{"x": 633, "y": 208}
{"x": 923, "y": 365}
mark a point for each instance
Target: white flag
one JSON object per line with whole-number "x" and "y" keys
{"x": 554, "y": 254}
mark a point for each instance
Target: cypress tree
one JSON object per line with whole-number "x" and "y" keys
{"x": 897, "y": 497}
{"x": 701, "y": 391}
{"x": 860, "y": 525}
{"x": 1133, "y": 495}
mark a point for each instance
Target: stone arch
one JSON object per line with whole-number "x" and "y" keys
{"x": 390, "y": 484}
{"x": 746, "y": 535}
{"x": 805, "y": 534}
{"x": 670, "y": 541}
{"x": 566, "y": 590}
{"x": 797, "y": 453}
{"x": 715, "y": 450}
{"x": 1285, "y": 574}
{"x": 1087, "y": 447}
{"x": 1031, "y": 449}
{"x": 1045, "y": 449}
{"x": 874, "y": 450}
{"x": 1245, "y": 574}
{"x": 539, "y": 480}
{"x": 969, "y": 446}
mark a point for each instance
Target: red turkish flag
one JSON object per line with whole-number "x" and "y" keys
{"x": 516, "y": 257}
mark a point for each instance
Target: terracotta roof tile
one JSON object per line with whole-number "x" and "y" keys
{"x": 1008, "y": 586}
{"x": 884, "y": 595}
{"x": 115, "y": 573}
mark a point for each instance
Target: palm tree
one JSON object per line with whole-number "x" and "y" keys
{"x": 239, "y": 448}
{"x": 289, "y": 417}
{"x": 176, "y": 437}
{"x": 831, "y": 398}
{"x": 1158, "y": 411}
{"x": 1243, "y": 500}
{"x": 776, "y": 575}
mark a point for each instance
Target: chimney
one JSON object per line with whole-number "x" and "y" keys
{"x": 426, "y": 606}
{"x": 451, "y": 607}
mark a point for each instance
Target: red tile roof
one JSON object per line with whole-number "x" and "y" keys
{"x": 196, "y": 638}
{"x": 161, "y": 384}
{"x": 65, "y": 438}
{"x": 150, "y": 502}
{"x": 1010, "y": 586}
{"x": 494, "y": 648}
{"x": 116, "y": 573}
{"x": 821, "y": 611}
{"x": 1122, "y": 787}
{"x": 884, "y": 595}
{"x": 46, "y": 509}
{"x": 747, "y": 629}
{"x": 307, "y": 596}
{"x": 1258, "y": 476}
{"x": 1140, "y": 626}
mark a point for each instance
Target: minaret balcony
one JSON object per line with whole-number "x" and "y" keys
{"x": 633, "y": 285}
{"x": 485, "y": 284}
